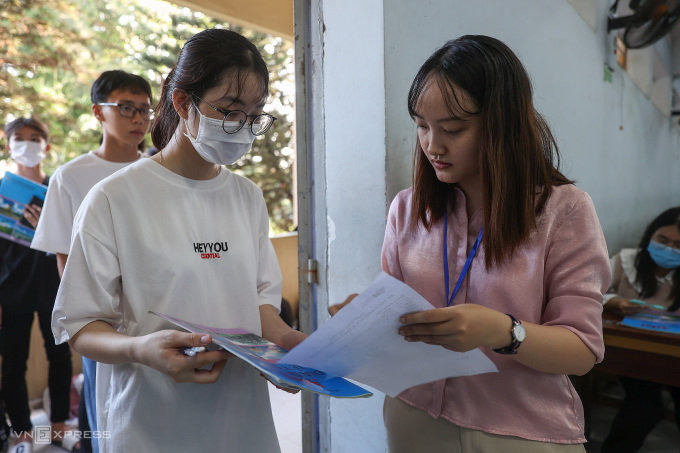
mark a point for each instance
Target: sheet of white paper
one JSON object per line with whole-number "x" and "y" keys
{"x": 361, "y": 342}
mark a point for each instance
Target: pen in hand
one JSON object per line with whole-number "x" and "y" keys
{"x": 191, "y": 352}
{"x": 646, "y": 304}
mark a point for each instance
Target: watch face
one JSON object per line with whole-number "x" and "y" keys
{"x": 519, "y": 333}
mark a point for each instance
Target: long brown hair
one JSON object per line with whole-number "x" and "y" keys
{"x": 518, "y": 155}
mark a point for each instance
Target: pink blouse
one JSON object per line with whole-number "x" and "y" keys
{"x": 556, "y": 278}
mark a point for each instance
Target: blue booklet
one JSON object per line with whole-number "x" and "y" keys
{"x": 15, "y": 193}
{"x": 655, "y": 320}
{"x": 264, "y": 355}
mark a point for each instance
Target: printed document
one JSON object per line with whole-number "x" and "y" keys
{"x": 15, "y": 193}
{"x": 264, "y": 355}
{"x": 361, "y": 342}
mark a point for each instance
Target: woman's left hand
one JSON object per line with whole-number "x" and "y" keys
{"x": 290, "y": 390}
{"x": 291, "y": 339}
{"x": 277, "y": 331}
{"x": 288, "y": 341}
{"x": 458, "y": 328}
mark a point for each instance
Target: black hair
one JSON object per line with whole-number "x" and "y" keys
{"x": 110, "y": 81}
{"x": 32, "y": 122}
{"x": 645, "y": 265}
{"x": 205, "y": 59}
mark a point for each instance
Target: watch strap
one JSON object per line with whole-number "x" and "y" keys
{"x": 512, "y": 349}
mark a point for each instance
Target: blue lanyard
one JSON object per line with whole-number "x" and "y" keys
{"x": 465, "y": 268}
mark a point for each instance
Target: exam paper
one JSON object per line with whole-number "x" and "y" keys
{"x": 361, "y": 343}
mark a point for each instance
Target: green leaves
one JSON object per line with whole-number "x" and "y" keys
{"x": 52, "y": 50}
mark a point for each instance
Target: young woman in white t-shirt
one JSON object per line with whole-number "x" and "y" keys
{"x": 137, "y": 246}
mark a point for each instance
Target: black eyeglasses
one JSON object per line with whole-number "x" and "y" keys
{"x": 129, "y": 111}
{"x": 234, "y": 120}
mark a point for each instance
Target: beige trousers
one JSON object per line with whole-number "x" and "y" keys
{"x": 411, "y": 430}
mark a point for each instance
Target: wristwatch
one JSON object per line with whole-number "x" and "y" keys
{"x": 518, "y": 335}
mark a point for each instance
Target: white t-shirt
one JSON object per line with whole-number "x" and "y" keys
{"x": 149, "y": 239}
{"x": 68, "y": 187}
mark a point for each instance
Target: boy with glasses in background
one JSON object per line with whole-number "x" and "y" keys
{"x": 121, "y": 102}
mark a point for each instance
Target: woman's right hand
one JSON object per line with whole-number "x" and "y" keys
{"x": 333, "y": 309}
{"x": 622, "y": 306}
{"x": 161, "y": 351}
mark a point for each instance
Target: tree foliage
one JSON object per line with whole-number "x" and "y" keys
{"x": 52, "y": 51}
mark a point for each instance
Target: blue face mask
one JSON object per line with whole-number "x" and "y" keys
{"x": 664, "y": 256}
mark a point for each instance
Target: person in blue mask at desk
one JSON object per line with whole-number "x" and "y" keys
{"x": 642, "y": 277}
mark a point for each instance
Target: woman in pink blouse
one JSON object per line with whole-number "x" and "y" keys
{"x": 526, "y": 288}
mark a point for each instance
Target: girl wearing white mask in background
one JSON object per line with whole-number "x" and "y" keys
{"x": 28, "y": 284}
{"x": 27, "y": 142}
{"x": 180, "y": 234}
{"x": 648, "y": 273}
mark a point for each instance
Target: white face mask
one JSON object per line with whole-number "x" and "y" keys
{"x": 216, "y": 146}
{"x": 27, "y": 153}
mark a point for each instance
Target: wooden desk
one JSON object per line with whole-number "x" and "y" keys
{"x": 641, "y": 354}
